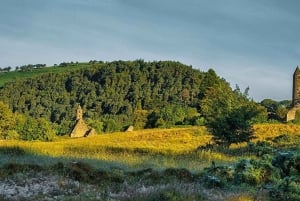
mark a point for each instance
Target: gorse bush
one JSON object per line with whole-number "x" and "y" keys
{"x": 217, "y": 176}
{"x": 260, "y": 148}
{"x": 255, "y": 172}
{"x": 287, "y": 190}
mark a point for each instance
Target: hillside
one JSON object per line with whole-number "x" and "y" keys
{"x": 29, "y": 72}
{"x": 113, "y": 94}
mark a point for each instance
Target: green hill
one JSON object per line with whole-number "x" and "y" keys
{"x": 112, "y": 94}
{"x": 29, "y": 72}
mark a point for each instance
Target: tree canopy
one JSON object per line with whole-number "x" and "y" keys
{"x": 117, "y": 94}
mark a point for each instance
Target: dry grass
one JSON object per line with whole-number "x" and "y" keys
{"x": 266, "y": 131}
{"x": 158, "y": 148}
{"x": 153, "y": 147}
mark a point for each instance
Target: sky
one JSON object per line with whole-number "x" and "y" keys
{"x": 250, "y": 43}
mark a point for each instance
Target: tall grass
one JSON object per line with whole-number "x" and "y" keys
{"x": 156, "y": 148}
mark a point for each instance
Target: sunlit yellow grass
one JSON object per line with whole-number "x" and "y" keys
{"x": 266, "y": 131}
{"x": 163, "y": 147}
{"x": 128, "y": 147}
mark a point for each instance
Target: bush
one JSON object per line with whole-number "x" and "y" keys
{"x": 255, "y": 172}
{"x": 36, "y": 129}
{"x": 284, "y": 161}
{"x": 235, "y": 127}
{"x": 83, "y": 172}
{"x": 287, "y": 190}
{"x": 111, "y": 125}
{"x": 217, "y": 176}
{"x": 12, "y": 168}
{"x": 260, "y": 148}
{"x": 181, "y": 174}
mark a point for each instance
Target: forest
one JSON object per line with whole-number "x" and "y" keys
{"x": 115, "y": 95}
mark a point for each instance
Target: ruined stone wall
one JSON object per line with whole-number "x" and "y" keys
{"x": 81, "y": 129}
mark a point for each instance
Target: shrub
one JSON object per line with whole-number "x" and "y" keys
{"x": 181, "y": 174}
{"x": 260, "y": 148}
{"x": 255, "y": 172}
{"x": 80, "y": 171}
{"x": 213, "y": 182}
{"x": 284, "y": 161}
{"x": 83, "y": 172}
{"x": 12, "y": 168}
{"x": 235, "y": 127}
{"x": 218, "y": 175}
{"x": 287, "y": 190}
{"x": 111, "y": 125}
{"x": 36, "y": 129}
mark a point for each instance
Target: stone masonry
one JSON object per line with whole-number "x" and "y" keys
{"x": 291, "y": 115}
{"x": 81, "y": 129}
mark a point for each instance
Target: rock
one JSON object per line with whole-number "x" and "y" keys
{"x": 129, "y": 129}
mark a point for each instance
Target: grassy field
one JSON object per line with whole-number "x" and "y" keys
{"x": 156, "y": 148}
{"x": 160, "y": 164}
{"x": 17, "y": 75}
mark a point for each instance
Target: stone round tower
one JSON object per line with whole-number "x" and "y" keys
{"x": 291, "y": 115}
{"x": 296, "y": 87}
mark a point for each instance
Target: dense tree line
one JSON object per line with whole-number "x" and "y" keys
{"x": 277, "y": 110}
{"x": 19, "y": 126}
{"x": 122, "y": 93}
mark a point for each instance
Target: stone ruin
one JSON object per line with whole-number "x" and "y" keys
{"x": 81, "y": 129}
{"x": 291, "y": 115}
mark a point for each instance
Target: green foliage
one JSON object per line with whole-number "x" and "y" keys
{"x": 255, "y": 172}
{"x": 284, "y": 161}
{"x": 288, "y": 189}
{"x": 120, "y": 90}
{"x": 110, "y": 125}
{"x": 140, "y": 119}
{"x": 235, "y": 127}
{"x": 218, "y": 176}
{"x": 36, "y": 129}
{"x": 98, "y": 125}
{"x": 276, "y": 110}
{"x": 84, "y": 172}
{"x": 230, "y": 114}
{"x": 171, "y": 115}
{"x": 7, "y": 122}
{"x": 260, "y": 148}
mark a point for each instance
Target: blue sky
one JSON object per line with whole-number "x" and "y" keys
{"x": 253, "y": 43}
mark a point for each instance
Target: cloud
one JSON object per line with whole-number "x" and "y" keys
{"x": 248, "y": 43}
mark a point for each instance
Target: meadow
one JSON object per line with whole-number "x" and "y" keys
{"x": 155, "y": 148}
{"x": 155, "y": 152}
{"x": 19, "y": 75}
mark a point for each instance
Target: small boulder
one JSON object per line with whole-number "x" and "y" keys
{"x": 129, "y": 129}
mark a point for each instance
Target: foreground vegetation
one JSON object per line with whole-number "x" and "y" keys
{"x": 163, "y": 164}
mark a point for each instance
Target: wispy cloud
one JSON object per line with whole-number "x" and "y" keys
{"x": 250, "y": 43}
